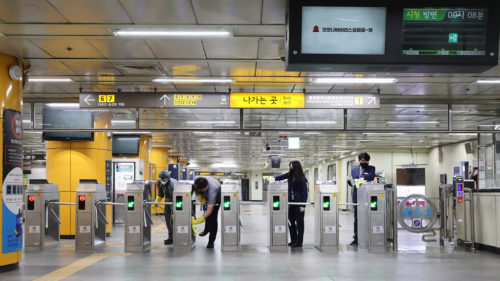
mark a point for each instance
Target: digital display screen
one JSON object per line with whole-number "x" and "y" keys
{"x": 460, "y": 187}
{"x": 67, "y": 117}
{"x": 125, "y": 145}
{"x": 343, "y": 30}
{"x": 444, "y": 32}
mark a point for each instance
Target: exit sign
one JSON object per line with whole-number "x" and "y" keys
{"x": 453, "y": 38}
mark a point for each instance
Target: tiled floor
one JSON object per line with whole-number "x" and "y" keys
{"x": 414, "y": 261}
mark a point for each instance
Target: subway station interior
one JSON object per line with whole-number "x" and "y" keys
{"x": 249, "y": 140}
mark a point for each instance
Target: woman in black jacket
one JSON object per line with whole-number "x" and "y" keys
{"x": 297, "y": 192}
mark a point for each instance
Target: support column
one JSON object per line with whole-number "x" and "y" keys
{"x": 68, "y": 162}
{"x": 11, "y": 198}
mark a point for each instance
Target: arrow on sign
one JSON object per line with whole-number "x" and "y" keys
{"x": 371, "y": 100}
{"x": 165, "y": 98}
{"x": 87, "y": 100}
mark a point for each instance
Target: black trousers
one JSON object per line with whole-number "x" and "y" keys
{"x": 211, "y": 224}
{"x": 169, "y": 221}
{"x": 296, "y": 227}
{"x": 355, "y": 200}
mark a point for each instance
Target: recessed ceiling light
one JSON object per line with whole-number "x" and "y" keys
{"x": 353, "y": 80}
{"x": 488, "y": 81}
{"x": 197, "y": 33}
{"x": 413, "y": 122}
{"x": 210, "y": 122}
{"x": 311, "y": 122}
{"x": 194, "y": 80}
{"x": 49, "y": 79}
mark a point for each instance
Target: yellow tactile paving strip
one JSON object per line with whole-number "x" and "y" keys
{"x": 73, "y": 268}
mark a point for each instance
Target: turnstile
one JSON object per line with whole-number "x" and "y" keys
{"x": 231, "y": 196}
{"x": 90, "y": 216}
{"x": 326, "y": 219}
{"x": 137, "y": 218}
{"x": 182, "y": 208}
{"x": 42, "y": 218}
{"x": 278, "y": 215}
{"x": 372, "y": 217}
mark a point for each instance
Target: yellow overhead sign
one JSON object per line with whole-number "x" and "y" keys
{"x": 266, "y": 100}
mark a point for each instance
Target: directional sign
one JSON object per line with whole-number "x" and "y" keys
{"x": 326, "y": 101}
{"x": 151, "y": 100}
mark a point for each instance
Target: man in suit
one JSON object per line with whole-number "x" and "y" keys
{"x": 363, "y": 172}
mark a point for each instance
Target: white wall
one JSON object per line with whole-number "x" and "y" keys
{"x": 256, "y": 191}
{"x": 38, "y": 171}
{"x": 452, "y": 155}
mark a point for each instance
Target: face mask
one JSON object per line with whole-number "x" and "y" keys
{"x": 363, "y": 165}
{"x": 163, "y": 181}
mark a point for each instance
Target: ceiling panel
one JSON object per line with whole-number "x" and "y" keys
{"x": 270, "y": 49}
{"x": 274, "y": 87}
{"x": 137, "y": 68}
{"x": 186, "y": 68}
{"x": 274, "y": 11}
{"x": 428, "y": 89}
{"x": 236, "y": 87}
{"x": 21, "y": 48}
{"x": 29, "y": 11}
{"x": 398, "y": 88}
{"x": 233, "y": 69}
{"x": 92, "y": 11}
{"x": 274, "y": 69}
{"x": 40, "y": 88}
{"x": 92, "y": 67}
{"x": 177, "y": 48}
{"x": 160, "y": 11}
{"x": 123, "y": 48}
{"x": 68, "y": 48}
{"x": 241, "y": 48}
{"x": 48, "y": 67}
{"x": 227, "y": 12}
{"x": 191, "y": 87}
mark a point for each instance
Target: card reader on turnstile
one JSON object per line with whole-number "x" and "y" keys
{"x": 326, "y": 237}
{"x": 42, "y": 218}
{"x": 230, "y": 215}
{"x": 90, "y": 215}
{"x": 278, "y": 215}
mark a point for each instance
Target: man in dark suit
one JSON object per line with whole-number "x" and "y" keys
{"x": 363, "y": 172}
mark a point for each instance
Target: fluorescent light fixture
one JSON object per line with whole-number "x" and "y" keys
{"x": 49, "y": 79}
{"x": 202, "y": 133}
{"x": 210, "y": 122}
{"x": 462, "y": 134}
{"x": 311, "y": 122}
{"x": 132, "y": 133}
{"x": 414, "y": 146}
{"x": 63, "y": 104}
{"x": 173, "y": 33}
{"x": 353, "y": 80}
{"x": 123, "y": 121}
{"x": 385, "y": 133}
{"x": 216, "y": 140}
{"x": 194, "y": 80}
{"x": 225, "y": 165}
{"x": 312, "y": 133}
{"x": 413, "y": 122}
{"x": 488, "y": 81}
{"x": 294, "y": 143}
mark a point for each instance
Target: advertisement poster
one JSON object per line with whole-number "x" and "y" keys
{"x": 12, "y": 188}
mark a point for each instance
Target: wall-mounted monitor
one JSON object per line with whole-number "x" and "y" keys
{"x": 392, "y": 36}
{"x": 410, "y": 176}
{"x": 61, "y": 116}
{"x": 126, "y": 145}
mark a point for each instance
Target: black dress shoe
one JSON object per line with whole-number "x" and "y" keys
{"x": 296, "y": 245}
{"x": 203, "y": 233}
{"x": 210, "y": 245}
{"x": 291, "y": 243}
{"x": 168, "y": 241}
{"x": 354, "y": 242}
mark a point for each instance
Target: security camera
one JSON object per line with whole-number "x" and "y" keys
{"x": 267, "y": 147}
{"x": 283, "y": 59}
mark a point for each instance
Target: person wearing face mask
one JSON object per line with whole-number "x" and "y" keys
{"x": 363, "y": 172}
{"x": 165, "y": 186}
{"x": 297, "y": 191}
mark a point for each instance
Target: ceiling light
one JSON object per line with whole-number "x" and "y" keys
{"x": 311, "y": 122}
{"x": 216, "y": 140}
{"x": 49, "y": 79}
{"x": 63, "y": 104}
{"x": 173, "y": 33}
{"x": 462, "y": 134}
{"x": 385, "y": 133}
{"x": 123, "y": 121}
{"x": 493, "y": 81}
{"x": 312, "y": 133}
{"x": 194, "y": 80}
{"x": 202, "y": 133}
{"x": 413, "y": 122}
{"x": 415, "y": 146}
{"x": 225, "y": 165}
{"x": 210, "y": 122}
{"x": 352, "y": 80}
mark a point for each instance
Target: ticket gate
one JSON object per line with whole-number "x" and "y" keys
{"x": 278, "y": 215}
{"x": 137, "y": 218}
{"x": 42, "y": 218}
{"x": 326, "y": 217}
{"x": 230, "y": 215}
{"x": 90, "y": 215}
{"x": 377, "y": 223}
{"x": 184, "y": 240}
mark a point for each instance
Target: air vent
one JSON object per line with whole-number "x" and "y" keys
{"x": 145, "y": 69}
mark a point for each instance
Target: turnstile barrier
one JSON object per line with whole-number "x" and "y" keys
{"x": 230, "y": 215}
{"x": 90, "y": 216}
{"x": 326, "y": 237}
{"x": 42, "y": 218}
{"x": 278, "y": 215}
{"x": 182, "y": 208}
{"x": 137, "y": 218}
